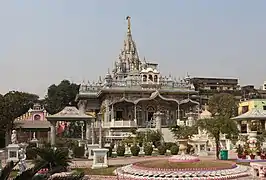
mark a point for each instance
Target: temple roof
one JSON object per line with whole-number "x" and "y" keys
{"x": 32, "y": 124}
{"x": 253, "y": 114}
{"x": 69, "y": 113}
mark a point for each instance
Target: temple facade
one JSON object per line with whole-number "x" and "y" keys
{"x": 129, "y": 96}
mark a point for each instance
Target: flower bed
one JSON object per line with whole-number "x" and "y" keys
{"x": 164, "y": 165}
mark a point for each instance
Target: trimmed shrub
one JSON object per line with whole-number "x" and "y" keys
{"x": 30, "y": 153}
{"x": 148, "y": 150}
{"x": 120, "y": 151}
{"x": 135, "y": 150}
{"x": 79, "y": 152}
{"x": 174, "y": 150}
{"x": 157, "y": 144}
{"x": 168, "y": 145}
{"x": 162, "y": 150}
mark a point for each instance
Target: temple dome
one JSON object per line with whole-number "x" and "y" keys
{"x": 205, "y": 114}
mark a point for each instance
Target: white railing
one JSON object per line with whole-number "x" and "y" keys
{"x": 119, "y": 124}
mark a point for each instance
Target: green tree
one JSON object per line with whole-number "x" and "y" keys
{"x": 60, "y": 95}
{"x": 183, "y": 132}
{"x": 12, "y": 105}
{"x": 222, "y": 106}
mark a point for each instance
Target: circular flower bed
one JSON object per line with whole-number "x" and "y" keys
{"x": 183, "y": 158}
{"x": 183, "y": 168}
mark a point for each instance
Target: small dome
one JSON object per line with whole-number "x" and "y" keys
{"x": 205, "y": 114}
{"x": 149, "y": 69}
{"x": 144, "y": 71}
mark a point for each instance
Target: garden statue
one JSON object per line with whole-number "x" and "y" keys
{"x": 70, "y": 153}
{"x": 22, "y": 160}
{"x": 14, "y": 139}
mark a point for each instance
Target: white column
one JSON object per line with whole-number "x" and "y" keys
{"x": 53, "y": 132}
{"x": 87, "y": 129}
{"x": 265, "y": 125}
{"x": 135, "y": 114}
{"x": 106, "y": 114}
{"x": 248, "y": 126}
{"x": 82, "y": 131}
{"x": 178, "y": 112}
{"x": 92, "y": 132}
{"x": 100, "y": 129}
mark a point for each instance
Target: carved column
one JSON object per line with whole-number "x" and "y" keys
{"x": 53, "y": 132}
{"x": 248, "y": 126}
{"x": 178, "y": 114}
{"x": 88, "y": 129}
{"x": 239, "y": 126}
{"x": 92, "y": 132}
{"x": 106, "y": 115}
{"x": 135, "y": 114}
{"x": 112, "y": 115}
{"x": 100, "y": 129}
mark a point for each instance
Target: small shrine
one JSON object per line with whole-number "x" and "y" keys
{"x": 32, "y": 125}
{"x": 253, "y": 120}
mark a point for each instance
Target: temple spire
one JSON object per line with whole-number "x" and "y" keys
{"x": 128, "y": 24}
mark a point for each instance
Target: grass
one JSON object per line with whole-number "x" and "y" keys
{"x": 171, "y": 165}
{"x": 102, "y": 171}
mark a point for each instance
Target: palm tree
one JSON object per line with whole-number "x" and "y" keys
{"x": 53, "y": 159}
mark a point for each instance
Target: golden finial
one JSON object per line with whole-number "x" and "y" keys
{"x": 128, "y": 23}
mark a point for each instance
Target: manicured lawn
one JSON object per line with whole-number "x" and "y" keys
{"x": 103, "y": 171}
{"x": 163, "y": 163}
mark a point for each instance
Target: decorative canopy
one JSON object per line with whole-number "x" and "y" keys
{"x": 69, "y": 113}
{"x": 253, "y": 114}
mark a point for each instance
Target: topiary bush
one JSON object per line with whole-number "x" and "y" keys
{"x": 120, "y": 151}
{"x": 135, "y": 150}
{"x": 162, "y": 150}
{"x": 168, "y": 145}
{"x": 79, "y": 151}
{"x": 30, "y": 153}
{"x": 174, "y": 150}
{"x": 148, "y": 150}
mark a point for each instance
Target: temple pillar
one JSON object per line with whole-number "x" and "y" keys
{"x": 100, "y": 129}
{"x": 88, "y": 129}
{"x": 92, "y": 132}
{"x": 135, "y": 114}
{"x": 248, "y": 126}
{"x": 107, "y": 111}
{"x": 82, "y": 106}
{"x": 264, "y": 124}
{"x": 178, "y": 112}
{"x": 53, "y": 132}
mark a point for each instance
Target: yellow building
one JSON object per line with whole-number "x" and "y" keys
{"x": 245, "y": 106}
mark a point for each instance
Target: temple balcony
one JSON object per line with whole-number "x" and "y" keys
{"x": 120, "y": 124}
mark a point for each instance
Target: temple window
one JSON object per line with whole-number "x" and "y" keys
{"x": 144, "y": 78}
{"x": 264, "y": 107}
{"x": 155, "y": 78}
{"x": 119, "y": 115}
{"x": 150, "y": 77}
{"x": 37, "y": 117}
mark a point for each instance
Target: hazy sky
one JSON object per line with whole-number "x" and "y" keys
{"x": 43, "y": 42}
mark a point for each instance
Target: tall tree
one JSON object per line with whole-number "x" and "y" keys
{"x": 60, "y": 95}
{"x": 222, "y": 106}
{"x": 12, "y": 105}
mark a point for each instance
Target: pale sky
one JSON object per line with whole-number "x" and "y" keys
{"x": 43, "y": 42}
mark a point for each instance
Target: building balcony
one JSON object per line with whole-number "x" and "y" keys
{"x": 119, "y": 124}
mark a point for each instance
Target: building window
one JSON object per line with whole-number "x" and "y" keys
{"x": 150, "y": 77}
{"x": 264, "y": 107}
{"x": 144, "y": 78}
{"x": 244, "y": 109}
{"x": 37, "y": 117}
{"x": 119, "y": 115}
{"x": 155, "y": 78}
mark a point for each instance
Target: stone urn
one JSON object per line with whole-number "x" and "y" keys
{"x": 183, "y": 145}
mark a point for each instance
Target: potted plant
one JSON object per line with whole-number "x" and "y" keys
{"x": 240, "y": 151}
{"x": 252, "y": 153}
{"x": 182, "y": 134}
{"x": 263, "y": 154}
